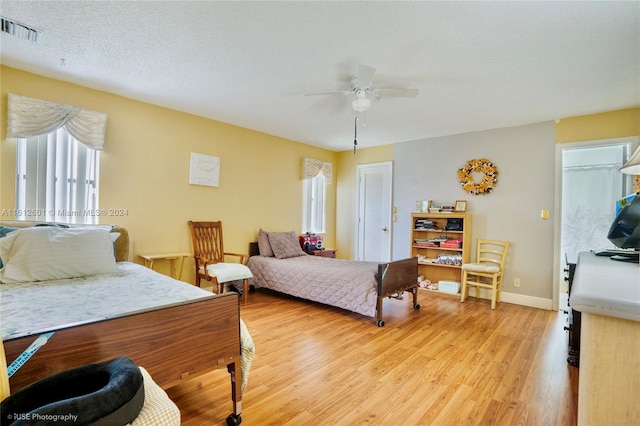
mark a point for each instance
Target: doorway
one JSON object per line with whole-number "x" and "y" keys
{"x": 373, "y": 242}
{"x": 589, "y": 186}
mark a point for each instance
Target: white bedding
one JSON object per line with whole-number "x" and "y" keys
{"x": 36, "y": 307}
{"x": 346, "y": 284}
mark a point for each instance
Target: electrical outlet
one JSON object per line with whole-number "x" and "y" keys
{"x": 516, "y": 282}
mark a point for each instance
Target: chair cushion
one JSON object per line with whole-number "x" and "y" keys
{"x": 488, "y": 267}
{"x": 225, "y": 272}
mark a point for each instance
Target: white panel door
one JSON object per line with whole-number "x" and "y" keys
{"x": 374, "y": 212}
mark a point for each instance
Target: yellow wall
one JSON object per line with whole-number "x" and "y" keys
{"x": 145, "y": 167}
{"x": 607, "y": 125}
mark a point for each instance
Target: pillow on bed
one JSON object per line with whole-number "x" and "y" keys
{"x": 285, "y": 244}
{"x": 4, "y": 231}
{"x": 49, "y": 253}
{"x": 263, "y": 244}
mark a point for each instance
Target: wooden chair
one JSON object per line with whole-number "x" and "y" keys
{"x": 487, "y": 270}
{"x": 209, "y": 255}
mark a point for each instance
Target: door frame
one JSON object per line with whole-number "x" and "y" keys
{"x": 557, "y": 261}
{"x": 357, "y": 240}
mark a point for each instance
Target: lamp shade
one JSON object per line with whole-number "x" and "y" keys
{"x": 632, "y": 167}
{"x": 361, "y": 104}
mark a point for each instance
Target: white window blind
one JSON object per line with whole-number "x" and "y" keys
{"x": 313, "y": 195}
{"x": 57, "y": 179}
{"x": 316, "y": 174}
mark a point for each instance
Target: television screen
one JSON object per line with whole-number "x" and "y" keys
{"x": 625, "y": 229}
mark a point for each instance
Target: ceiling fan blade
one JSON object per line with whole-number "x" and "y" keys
{"x": 365, "y": 75}
{"x": 398, "y": 93}
{"x": 329, "y": 105}
{"x": 337, "y": 92}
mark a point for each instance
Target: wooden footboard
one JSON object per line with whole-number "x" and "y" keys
{"x": 395, "y": 278}
{"x": 172, "y": 344}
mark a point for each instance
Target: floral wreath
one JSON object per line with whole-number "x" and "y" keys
{"x": 479, "y": 165}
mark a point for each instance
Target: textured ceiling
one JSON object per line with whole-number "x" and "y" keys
{"x": 478, "y": 65}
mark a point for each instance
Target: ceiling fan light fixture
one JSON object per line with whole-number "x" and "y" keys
{"x": 361, "y": 104}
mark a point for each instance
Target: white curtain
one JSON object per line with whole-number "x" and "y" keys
{"x": 312, "y": 167}
{"x": 28, "y": 117}
{"x": 588, "y": 206}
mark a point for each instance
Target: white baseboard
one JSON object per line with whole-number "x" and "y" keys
{"x": 516, "y": 299}
{"x": 531, "y": 301}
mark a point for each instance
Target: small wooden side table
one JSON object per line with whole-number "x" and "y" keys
{"x": 324, "y": 253}
{"x": 176, "y": 259}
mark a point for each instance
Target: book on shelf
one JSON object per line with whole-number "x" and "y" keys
{"x": 436, "y": 242}
{"x": 423, "y": 224}
{"x": 453, "y": 244}
{"x": 425, "y": 244}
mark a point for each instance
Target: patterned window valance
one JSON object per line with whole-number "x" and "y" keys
{"x": 28, "y": 117}
{"x": 312, "y": 167}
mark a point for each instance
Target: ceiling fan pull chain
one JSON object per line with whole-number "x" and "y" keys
{"x": 355, "y": 135}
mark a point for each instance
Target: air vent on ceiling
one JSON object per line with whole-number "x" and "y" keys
{"x": 18, "y": 30}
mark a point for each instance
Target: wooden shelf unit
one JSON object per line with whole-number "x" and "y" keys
{"x": 435, "y": 272}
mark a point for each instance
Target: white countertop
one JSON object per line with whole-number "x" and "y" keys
{"x": 606, "y": 287}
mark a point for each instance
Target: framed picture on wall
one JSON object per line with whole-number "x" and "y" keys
{"x": 204, "y": 170}
{"x": 461, "y": 205}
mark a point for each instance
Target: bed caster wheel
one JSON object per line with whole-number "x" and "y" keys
{"x": 380, "y": 323}
{"x": 416, "y": 306}
{"x": 234, "y": 419}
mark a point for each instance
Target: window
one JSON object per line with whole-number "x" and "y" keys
{"x": 316, "y": 174}
{"x": 56, "y": 173}
{"x": 313, "y": 196}
{"x": 57, "y": 179}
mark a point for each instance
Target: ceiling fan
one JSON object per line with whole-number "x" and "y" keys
{"x": 363, "y": 91}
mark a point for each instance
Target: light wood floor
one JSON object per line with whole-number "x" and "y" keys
{"x": 449, "y": 363}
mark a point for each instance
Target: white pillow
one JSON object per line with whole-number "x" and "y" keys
{"x": 49, "y": 253}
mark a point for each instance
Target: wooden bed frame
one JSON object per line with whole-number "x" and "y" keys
{"x": 394, "y": 278}
{"x": 173, "y": 343}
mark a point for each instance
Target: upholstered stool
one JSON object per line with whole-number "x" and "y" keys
{"x": 158, "y": 408}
